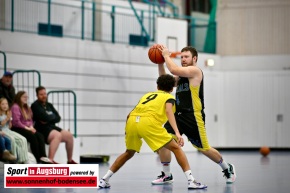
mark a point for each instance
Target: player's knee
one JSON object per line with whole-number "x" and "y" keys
{"x": 129, "y": 154}
{"x": 176, "y": 148}
{"x": 173, "y": 146}
{"x": 206, "y": 151}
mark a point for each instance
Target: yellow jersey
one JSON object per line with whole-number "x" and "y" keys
{"x": 153, "y": 105}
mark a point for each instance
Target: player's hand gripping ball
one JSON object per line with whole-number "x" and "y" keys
{"x": 155, "y": 55}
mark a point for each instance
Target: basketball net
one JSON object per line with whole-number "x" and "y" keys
{"x": 175, "y": 54}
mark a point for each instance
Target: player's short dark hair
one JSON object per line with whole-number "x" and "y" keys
{"x": 192, "y": 50}
{"x": 165, "y": 82}
{"x": 39, "y": 89}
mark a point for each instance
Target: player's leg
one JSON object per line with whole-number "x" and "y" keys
{"x": 228, "y": 169}
{"x": 183, "y": 162}
{"x": 194, "y": 129}
{"x": 166, "y": 176}
{"x": 212, "y": 154}
{"x": 119, "y": 162}
{"x": 179, "y": 154}
{"x": 165, "y": 159}
{"x": 133, "y": 144}
{"x": 157, "y": 138}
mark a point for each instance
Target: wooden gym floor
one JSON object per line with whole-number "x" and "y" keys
{"x": 255, "y": 174}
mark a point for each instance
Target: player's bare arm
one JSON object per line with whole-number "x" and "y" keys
{"x": 161, "y": 69}
{"x": 188, "y": 70}
{"x": 172, "y": 121}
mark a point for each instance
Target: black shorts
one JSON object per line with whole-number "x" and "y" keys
{"x": 45, "y": 131}
{"x": 192, "y": 125}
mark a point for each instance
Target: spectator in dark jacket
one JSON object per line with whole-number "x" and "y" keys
{"x": 45, "y": 118}
{"x": 7, "y": 90}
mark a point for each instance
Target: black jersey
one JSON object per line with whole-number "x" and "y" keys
{"x": 189, "y": 98}
{"x": 190, "y": 117}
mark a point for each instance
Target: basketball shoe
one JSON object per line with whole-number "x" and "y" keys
{"x": 104, "y": 184}
{"x": 196, "y": 185}
{"x": 230, "y": 174}
{"x": 163, "y": 179}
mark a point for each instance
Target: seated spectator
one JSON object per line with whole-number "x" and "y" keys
{"x": 7, "y": 90}
{"x": 5, "y": 148}
{"x": 45, "y": 117}
{"x": 18, "y": 142}
{"x": 22, "y": 123}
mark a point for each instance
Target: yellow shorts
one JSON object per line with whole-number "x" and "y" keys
{"x": 147, "y": 128}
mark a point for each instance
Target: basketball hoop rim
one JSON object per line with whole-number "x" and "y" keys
{"x": 175, "y": 54}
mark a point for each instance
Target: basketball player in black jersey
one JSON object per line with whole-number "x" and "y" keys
{"x": 189, "y": 114}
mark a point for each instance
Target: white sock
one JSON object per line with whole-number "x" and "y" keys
{"x": 224, "y": 165}
{"x": 166, "y": 168}
{"x": 188, "y": 175}
{"x": 108, "y": 175}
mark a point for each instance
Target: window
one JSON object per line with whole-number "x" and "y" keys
{"x": 202, "y": 6}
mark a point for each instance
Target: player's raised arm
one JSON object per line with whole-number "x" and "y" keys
{"x": 189, "y": 71}
{"x": 161, "y": 69}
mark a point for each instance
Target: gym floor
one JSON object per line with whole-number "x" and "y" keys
{"x": 255, "y": 174}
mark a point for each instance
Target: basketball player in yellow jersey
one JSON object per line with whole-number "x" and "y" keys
{"x": 190, "y": 117}
{"x": 146, "y": 121}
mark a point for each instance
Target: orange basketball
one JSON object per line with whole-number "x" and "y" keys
{"x": 265, "y": 150}
{"x": 155, "y": 55}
